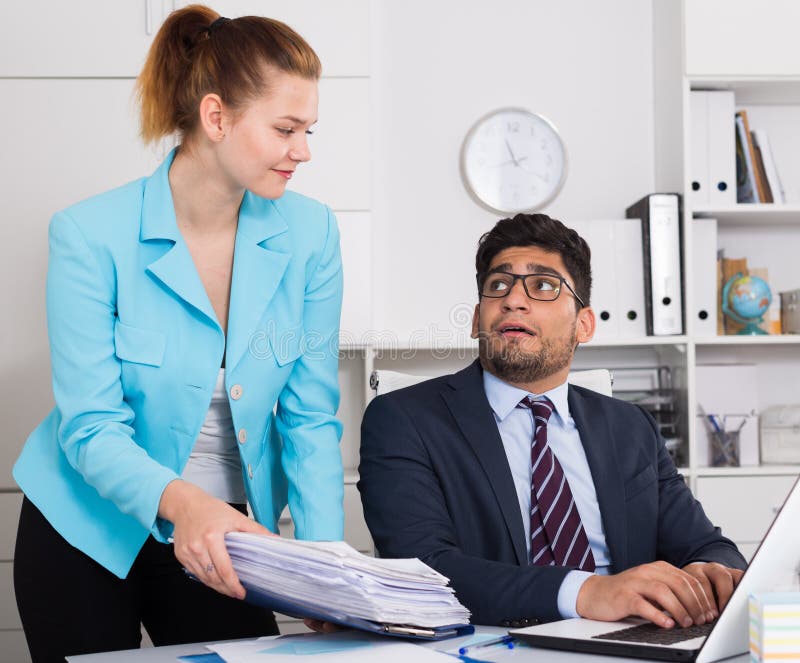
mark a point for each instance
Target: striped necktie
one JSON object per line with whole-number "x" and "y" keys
{"x": 557, "y": 535}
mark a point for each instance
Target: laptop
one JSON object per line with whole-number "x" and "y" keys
{"x": 774, "y": 567}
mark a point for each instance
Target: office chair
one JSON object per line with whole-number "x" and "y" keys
{"x": 383, "y": 381}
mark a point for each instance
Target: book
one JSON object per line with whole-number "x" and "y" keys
{"x": 720, "y": 283}
{"x": 746, "y": 187}
{"x": 761, "y": 175}
{"x": 761, "y": 140}
{"x": 762, "y": 273}
{"x": 730, "y": 268}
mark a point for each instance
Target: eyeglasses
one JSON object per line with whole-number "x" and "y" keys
{"x": 542, "y": 287}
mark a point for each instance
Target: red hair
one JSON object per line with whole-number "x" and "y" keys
{"x": 190, "y": 59}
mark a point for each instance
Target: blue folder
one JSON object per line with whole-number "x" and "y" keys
{"x": 266, "y": 599}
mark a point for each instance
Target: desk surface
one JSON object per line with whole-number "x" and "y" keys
{"x": 520, "y": 655}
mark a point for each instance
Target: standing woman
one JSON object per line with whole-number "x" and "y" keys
{"x": 193, "y": 319}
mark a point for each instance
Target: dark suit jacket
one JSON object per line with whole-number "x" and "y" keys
{"x": 435, "y": 484}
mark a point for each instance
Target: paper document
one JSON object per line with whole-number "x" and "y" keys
{"x": 332, "y": 580}
{"x": 344, "y": 647}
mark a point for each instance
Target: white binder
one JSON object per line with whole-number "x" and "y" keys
{"x": 712, "y": 167}
{"x": 698, "y": 189}
{"x": 630, "y": 305}
{"x": 721, "y": 123}
{"x": 599, "y": 235}
{"x": 704, "y": 277}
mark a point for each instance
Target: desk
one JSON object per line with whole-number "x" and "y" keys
{"x": 521, "y": 655}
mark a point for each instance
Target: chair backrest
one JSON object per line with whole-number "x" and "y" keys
{"x": 596, "y": 379}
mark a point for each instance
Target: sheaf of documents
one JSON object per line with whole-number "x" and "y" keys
{"x": 333, "y": 578}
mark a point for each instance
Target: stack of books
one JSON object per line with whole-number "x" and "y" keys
{"x": 333, "y": 582}
{"x": 775, "y": 626}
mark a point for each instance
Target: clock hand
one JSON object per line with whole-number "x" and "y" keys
{"x": 531, "y": 171}
{"x": 513, "y": 158}
{"x": 504, "y": 163}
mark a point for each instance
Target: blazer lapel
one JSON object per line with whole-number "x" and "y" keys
{"x": 258, "y": 268}
{"x": 468, "y": 404}
{"x": 175, "y": 267}
{"x": 601, "y": 452}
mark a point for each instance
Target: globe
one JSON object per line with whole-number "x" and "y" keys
{"x": 746, "y": 299}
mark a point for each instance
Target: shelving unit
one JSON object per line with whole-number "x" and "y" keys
{"x": 745, "y": 58}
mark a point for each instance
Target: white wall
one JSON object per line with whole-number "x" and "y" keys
{"x": 436, "y": 68}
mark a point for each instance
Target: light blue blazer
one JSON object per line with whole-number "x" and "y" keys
{"x": 136, "y": 348}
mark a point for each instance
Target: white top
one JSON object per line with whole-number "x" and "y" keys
{"x": 214, "y": 463}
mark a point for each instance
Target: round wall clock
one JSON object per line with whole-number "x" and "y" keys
{"x": 513, "y": 160}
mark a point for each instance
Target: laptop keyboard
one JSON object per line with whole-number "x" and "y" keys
{"x": 655, "y": 635}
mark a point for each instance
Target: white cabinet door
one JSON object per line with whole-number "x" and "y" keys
{"x": 9, "y": 516}
{"x": 355, "y": 229}
{"x": 87, "y": 38}
{"x": 98, "y": 38}
{"x": 9, "y": 616}
{"x": 741, "y": 37}
{"x": 337, "y": 31}
{"x": 744, "y": 507}
{"x": 64, "y": 141}
{"x": 14, "y": 647}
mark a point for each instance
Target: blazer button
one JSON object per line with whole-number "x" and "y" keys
{"x": 249, "y": 470}
{"x": 236, "y": 392}
{"x": 242, "y": 435}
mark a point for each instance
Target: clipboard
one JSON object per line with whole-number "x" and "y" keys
{"x": 264, "y": 598}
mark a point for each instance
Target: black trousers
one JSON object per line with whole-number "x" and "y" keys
{"x": 71, "y": 605}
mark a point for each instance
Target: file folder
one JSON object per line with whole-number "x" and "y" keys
{"x": 260, "y": 596}
{"x": 712, "y": 169}
{"x": 629, "y": 285}
{"x": 662, "y": 261}
{"x": 698, "y": 166}
{"x": 599, "y": 235}
{"x": 704, "y": 277}
{"x": 721, "y": 122}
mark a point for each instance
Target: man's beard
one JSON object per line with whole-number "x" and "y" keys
{"x": 511, "y": 363}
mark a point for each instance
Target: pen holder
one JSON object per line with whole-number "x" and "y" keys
{"x": 724, "y": 448}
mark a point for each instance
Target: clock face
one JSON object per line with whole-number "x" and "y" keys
{"x": 512, "y": 161}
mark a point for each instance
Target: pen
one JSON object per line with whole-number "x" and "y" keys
{"x": 507, "y": 640}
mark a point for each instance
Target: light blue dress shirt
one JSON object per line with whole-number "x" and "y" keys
{"x": 516, "y": 431}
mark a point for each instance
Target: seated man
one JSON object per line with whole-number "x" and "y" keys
{"x": 539, "y": 500}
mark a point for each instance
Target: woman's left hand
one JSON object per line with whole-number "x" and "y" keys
{"x": 201, "y": 522}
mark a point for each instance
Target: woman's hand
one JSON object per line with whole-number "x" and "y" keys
{"x": 201, "y": 522}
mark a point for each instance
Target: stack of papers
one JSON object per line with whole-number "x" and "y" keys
{"x": 332, "y": 581}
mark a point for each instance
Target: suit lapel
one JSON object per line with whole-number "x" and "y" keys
{"x": 175, "y": 267}
{"x": 471, "y": 411}
{"x": 258, "y": 268}
{"x": 601, "y": 453}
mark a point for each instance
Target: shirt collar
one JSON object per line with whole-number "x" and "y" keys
{"x": 504, "y": 397}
